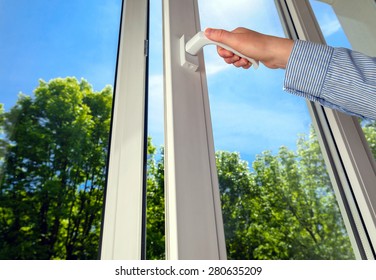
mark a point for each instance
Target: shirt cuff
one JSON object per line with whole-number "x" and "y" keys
{"x": 307, "y": 68}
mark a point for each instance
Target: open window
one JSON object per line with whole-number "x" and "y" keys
{"x": 248, "y": 172}
{"x": 349, "y": 171}
{"x": 349, "y": 160}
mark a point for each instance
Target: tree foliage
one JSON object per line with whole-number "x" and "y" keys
{"x": 54, "y": 172}
{"x": 369, "y": 129}
{"x": 284, "y": 208}
{"x": 155, "y": 225}
{"x": 53, "y": 154}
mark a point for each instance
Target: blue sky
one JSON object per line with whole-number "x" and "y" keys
{"x": 47, "y": 39}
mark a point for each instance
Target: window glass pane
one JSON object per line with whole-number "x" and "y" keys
{"x": 155, "y": 231}
{"x": 335, "y": 36}
{"x": 58, "y": 62}
{"x": 277, "y": 200}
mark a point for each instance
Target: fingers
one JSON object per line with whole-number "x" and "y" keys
{"x": 230, "y": 58}
{"x": 227, "y": 55}
{"x": 244, "y": 63}
{"x": 228, "y": 38}
{"x": 238, "y": 62}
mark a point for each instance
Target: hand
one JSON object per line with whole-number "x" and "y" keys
{"x": 272, "y": 51}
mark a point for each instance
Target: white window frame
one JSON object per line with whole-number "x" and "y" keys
{"x": 194, "y": 227}
{"x": 349, "y": 160}
{"x": 122, "y": 230}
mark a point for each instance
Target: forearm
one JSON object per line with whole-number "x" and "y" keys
{"x": 336, "y": 77}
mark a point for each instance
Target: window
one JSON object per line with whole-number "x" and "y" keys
{"x": 335, "y": 36}
{"x": 65, "y": 192}
{"x": 277, "y": 199}
{"x": 350, "y": 163}
{"x": 155, "y": 206}
{"x": 54, "y": 137}
{"x": 334, "y": 130}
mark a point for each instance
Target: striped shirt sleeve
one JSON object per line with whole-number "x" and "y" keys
{"x": 337, "y": 78}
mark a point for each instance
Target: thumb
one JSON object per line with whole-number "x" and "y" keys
{"x": 219, "y": 35}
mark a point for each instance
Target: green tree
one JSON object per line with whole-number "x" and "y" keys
{"x": 155, "y": 223}
{"x": 53, "y": 174}
{"x": 284, "y": 208}
{"x": 369, "y": 129}
{"x": 54, "y": 171}
{"x": 237, "y": 192}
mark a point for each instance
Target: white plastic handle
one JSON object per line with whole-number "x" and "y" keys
{"x": 198, "y": 41}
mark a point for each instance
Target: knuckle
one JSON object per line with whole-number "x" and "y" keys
{"x": 221, "y": 34}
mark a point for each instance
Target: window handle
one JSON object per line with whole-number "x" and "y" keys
{"x": 198, "y": 41}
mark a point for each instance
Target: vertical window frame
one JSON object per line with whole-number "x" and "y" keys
{"x": 194, "y": 226}
{"x": 123, "y": 229}
{"x": 349, "y": 160}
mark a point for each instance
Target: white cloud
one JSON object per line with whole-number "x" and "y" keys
{"x": 330, "y": 26}
{"x": 326, "y": 18}
{"x": 214, "y": 67}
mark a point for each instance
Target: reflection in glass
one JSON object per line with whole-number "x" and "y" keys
{"x": 335, "y": 36}
{"x": 155, "y": 210}
{"x": 277, "y": 200}
{"x": 54, "y": 141}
